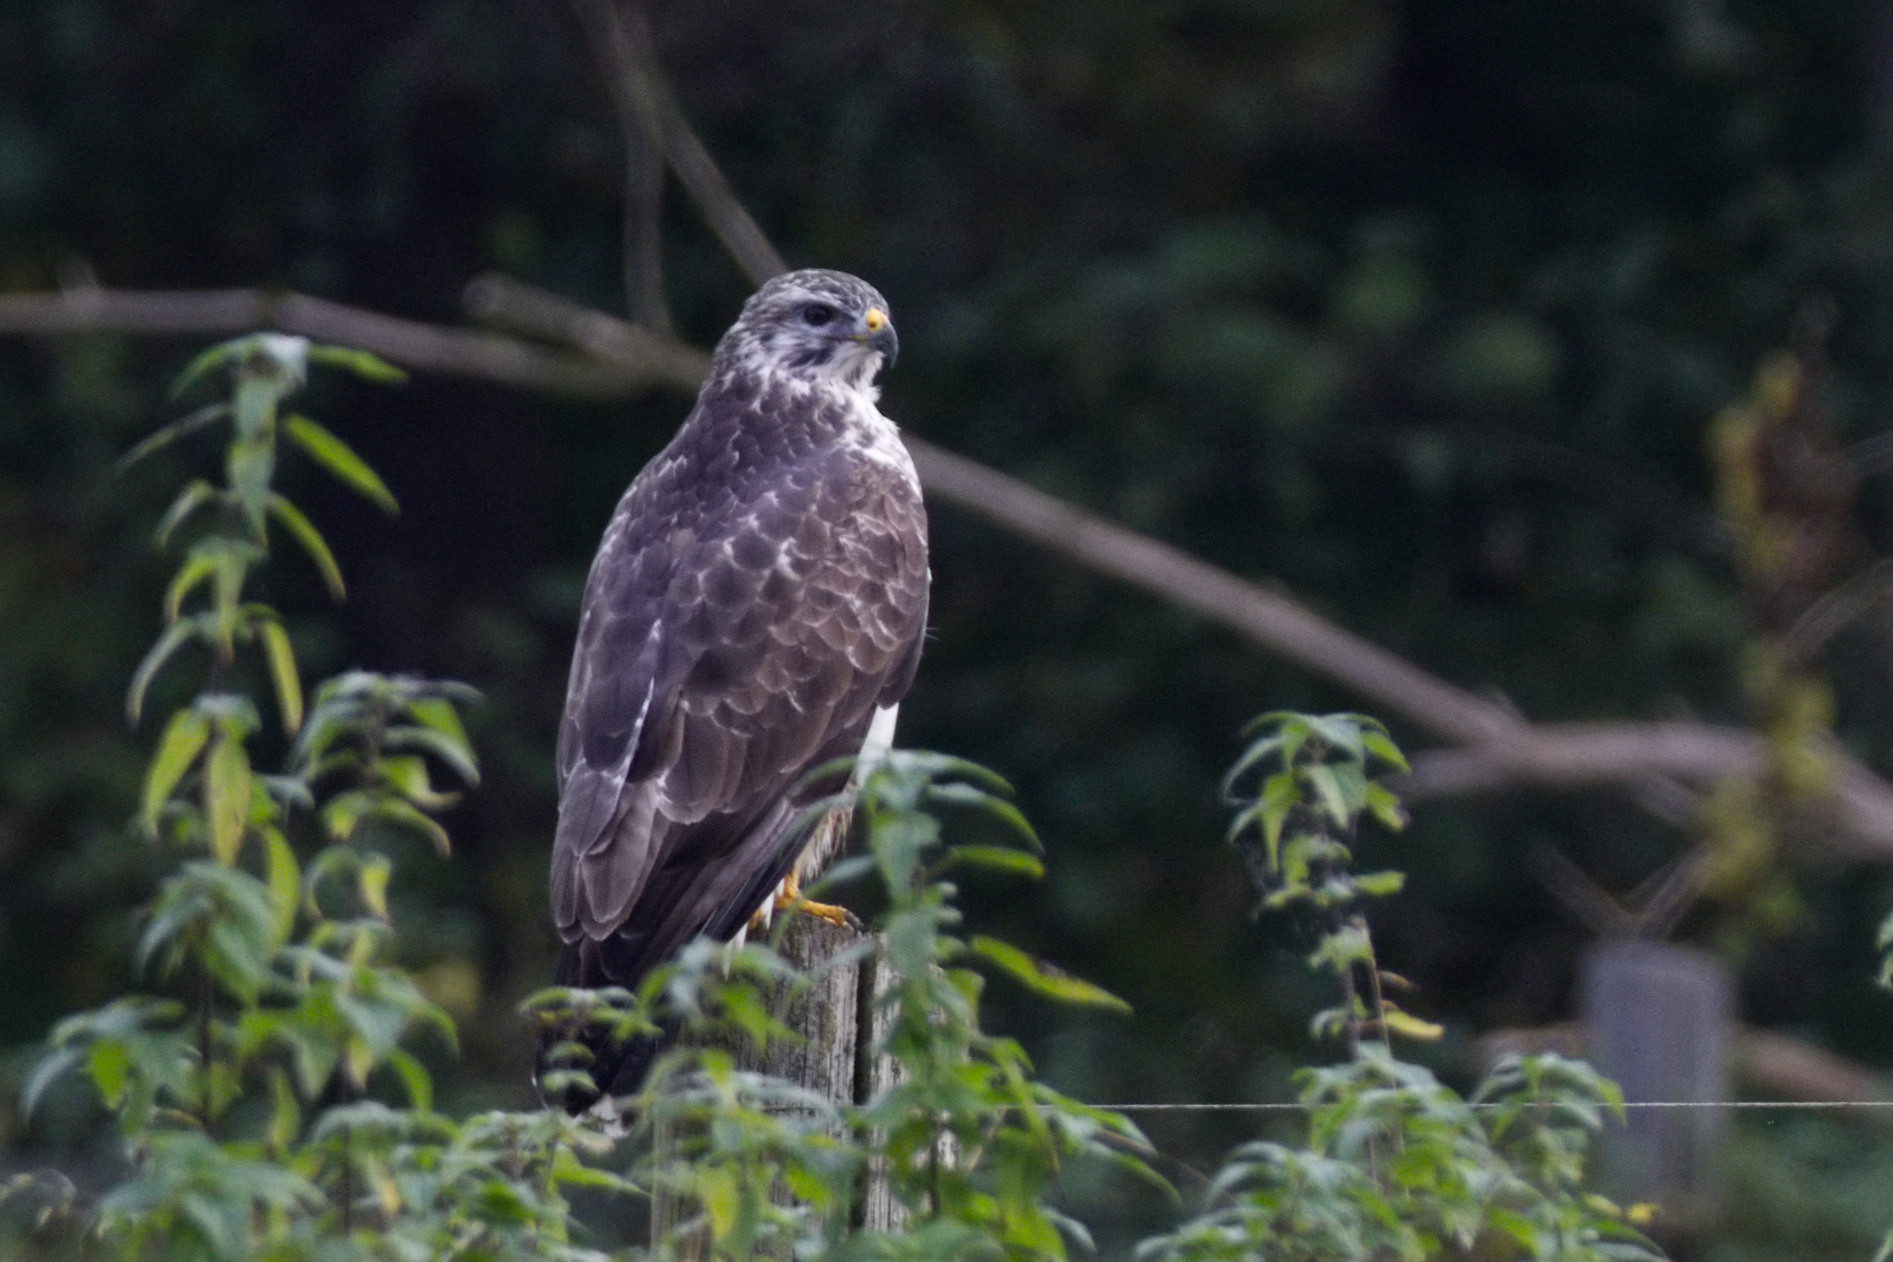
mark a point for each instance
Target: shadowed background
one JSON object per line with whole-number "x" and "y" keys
{"x": 1420, "y": 311}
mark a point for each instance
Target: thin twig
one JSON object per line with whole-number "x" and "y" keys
{"x": 1651, "y": 911}
{"x": 640, "y": 124}
{"x": 1831, "y": 613}
{"x": 643, "y": 245}
{"x": 1376, "y": 1000}
{"x": 622, "y": 41}
{"x": 1579, "y": 895}
{"x": 1666, "y": 897}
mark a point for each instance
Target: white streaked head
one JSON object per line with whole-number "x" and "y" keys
{"x": 818, "y": 326}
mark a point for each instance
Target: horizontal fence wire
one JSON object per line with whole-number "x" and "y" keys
{"x": 1293, "y": 1107}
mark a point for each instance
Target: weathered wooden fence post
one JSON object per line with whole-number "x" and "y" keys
{"x": 835, "y": 1018}
{"x": 1660, "y": 1020}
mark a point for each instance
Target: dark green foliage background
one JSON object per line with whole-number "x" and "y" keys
{"x": 1417, "y": 309}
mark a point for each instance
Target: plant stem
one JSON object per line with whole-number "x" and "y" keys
{"x": 203, "y": 1050}
{"x": 348, "y": 1184}
{"x": 1351, "y": 1028}
{"x": 1376, "y": 1004}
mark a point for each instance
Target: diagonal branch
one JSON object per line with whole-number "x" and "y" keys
{"x": 1262, "y": 617}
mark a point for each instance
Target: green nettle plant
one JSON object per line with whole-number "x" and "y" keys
{"x": 1396, "y": 1165}
{"x": 269, "y": 1103}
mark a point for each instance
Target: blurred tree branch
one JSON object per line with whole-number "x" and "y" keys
{"x": 639, "y": 360}
{"x": 620, "y": 35}
{"x": 580, "y": 351}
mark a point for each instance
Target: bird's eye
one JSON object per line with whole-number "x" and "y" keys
{"x": 816, "y": 314}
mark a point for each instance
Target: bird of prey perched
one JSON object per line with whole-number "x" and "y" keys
{"x": 756, "y": 609}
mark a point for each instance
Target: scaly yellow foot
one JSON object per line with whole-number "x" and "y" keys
{"x": 789, "y": 898}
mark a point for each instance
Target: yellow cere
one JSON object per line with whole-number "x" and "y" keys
{"x": 876, "y": 319}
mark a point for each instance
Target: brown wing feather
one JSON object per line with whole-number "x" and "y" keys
{"x": 784, "y": 623}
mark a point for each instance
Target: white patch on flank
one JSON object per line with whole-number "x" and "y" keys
{"x": 879, "y": 740}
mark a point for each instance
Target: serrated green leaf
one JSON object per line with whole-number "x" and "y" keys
{"x": 1044, "y": 978}
{"x": 235, "y": 948}
{"x": 1380, "y": 745}
{"x": 184, "y": 738}
{"x": 339, "y": 459}
{"x": 457, "y": 754}
{"x": 249, "y": 467}
{"x": 1271, "y": 810}
{"x": 285, "y": 1122}
{"x": 1384, "y": 805}
{"x": 440, "y": 714}
{"x": 1407, "y": 1025}
{"x": 923, "y": 767}
{"x": 717, "y": 1191}
{"x": 50, "y": 1069}
{"x": 1339, "y": 731}
{"x": 371, "y": 882}
{"x": 193, "y": 497}
{"x": 314, "y": 1044}
{"x": 227, "y": 797}
{"x": 1351, "y": 778}
{"x": 415, "y": 1079}
{"x": 981, "y": 799}
{"x": 209, "y": 414}
{"x": 169, "y": 641}
{"x": 1342, "y": 948}
{"x": 284, "y": 877}
{"x": 1321, "y": 777}
{"x": 1380, "y": 884}
{"x": 407, "y": 775}
{"x": 1254, "y": 754}
{"x": 343, "y": 812}
{"x": 399, "y": 812}
{"x": 310, "y": 538}
{"x": 997, "y": 859}
{"x": 197, "y": 567}
{"x": 228, "y": 575}
{"x": 568, "y": 1171}
{"x": 364, "y": 364}
{"x": 327, "y": 722}
{"x": 358, "y": 1058}
{"x": 1295, "y": 733}
{"x": 205, "y": 360}
{"x": 110, "y": 1065}
{"x": 284, "y": 679}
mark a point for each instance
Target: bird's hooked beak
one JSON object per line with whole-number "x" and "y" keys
{"x": 877, "y": 334}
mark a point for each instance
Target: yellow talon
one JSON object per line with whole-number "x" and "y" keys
{"x": 834, "y": 915}
{"x": 789, "y": 898}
